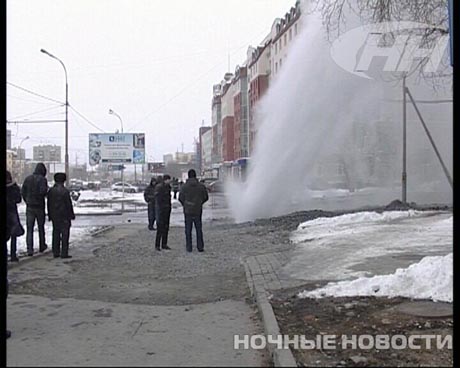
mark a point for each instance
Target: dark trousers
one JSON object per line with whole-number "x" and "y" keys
{"x": 33, "y": 214}
{"x": 189, "y": 221}
{"x": 61, "y": 234}
{"x": 13, "y": 242}
{"x": 151, "y": 213}
{"x": 175, "y": 194}
{"x": 162, "y": 227}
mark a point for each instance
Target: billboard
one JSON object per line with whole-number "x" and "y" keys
{"x": 117, "y": 148}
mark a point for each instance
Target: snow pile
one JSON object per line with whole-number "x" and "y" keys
{"x": 328, "y": 226}
{"x": 349, "y": 246}
{"x": 431, "y": 278}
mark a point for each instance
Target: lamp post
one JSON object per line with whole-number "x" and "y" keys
{"x": 111, "y": 112}
{"x": 66, "y": 116}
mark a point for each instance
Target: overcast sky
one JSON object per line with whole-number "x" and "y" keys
{"x": 152, "y": 61}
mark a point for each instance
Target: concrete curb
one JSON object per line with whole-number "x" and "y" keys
{"x": 27, "y": 259}
{"x": 280, "y": 357}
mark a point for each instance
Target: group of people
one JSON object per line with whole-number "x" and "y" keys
{"x": 192, "y": 196}
{"x": 35, "y": 192}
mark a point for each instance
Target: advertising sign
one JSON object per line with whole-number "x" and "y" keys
{"x": 128, "y": 148}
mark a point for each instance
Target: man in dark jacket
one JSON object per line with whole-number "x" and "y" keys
{"x": 163, "y": 207}
{"x": 192, "y": 197}
{"x": 13, "y": 197}
{"x": 149, "y": 197}
{"x": 60, "y": 211}
{"x": 33, "y": 192}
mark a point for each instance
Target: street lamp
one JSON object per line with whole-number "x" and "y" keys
{"x": 118, "y": 116}
{"x": 66, "y": 116}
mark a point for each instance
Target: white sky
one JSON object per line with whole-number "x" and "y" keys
{"x": 152, "y": 61}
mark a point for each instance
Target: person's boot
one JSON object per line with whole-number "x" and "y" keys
{"x": 157, "y": 248}
{"x": 66, "y": 256}
{"x": 42, "y": 249}
{"x": 8, "y": 334}
{"x": 14, "y": 258}
{"x": 166, "y": 247}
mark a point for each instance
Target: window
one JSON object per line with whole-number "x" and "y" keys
{"x": 290, "y": 34}
{"x": 281, "y": 62}
{"x": 285, "y": 39}
{"x": 276, "y": 48}
{"x": 295, "y": 29}
{"x": 276, "y": 67}
{"x": 281, "y": 44}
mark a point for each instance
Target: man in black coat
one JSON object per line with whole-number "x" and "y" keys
{"x": 163, "y": 207}
{"x": 149, "y": 197}
{"x": 34, "y": 190}
{"x": 60, "y": 211}
{"x": 192, "y": 197}
{"x": 13, "y": 197}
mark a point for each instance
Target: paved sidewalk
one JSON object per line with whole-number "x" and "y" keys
{"x": 266, "y": 270}
{"x": 71, "y": 332}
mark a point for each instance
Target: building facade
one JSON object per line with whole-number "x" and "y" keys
{"x": 47, "y": 153}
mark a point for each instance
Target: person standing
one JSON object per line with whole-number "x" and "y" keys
{"x": 60, "y": 212}
{"x": 34, "y": 190}
{"x": 192, "y": 197}
{"x": 163, "y": 205}
{"x": 13, "y": 197}
{"x": 175, "y": 187}
{"x": 149, "y": 197}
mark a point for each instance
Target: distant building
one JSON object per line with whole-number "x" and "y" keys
{"x": 199, "y": 146}
{"x": 8, "y": 139}
{"x": 206, "y": 150}
{"x": 47, "y": 153}
{"x": 168, "y": 158}
{"x": 9, "y": 160}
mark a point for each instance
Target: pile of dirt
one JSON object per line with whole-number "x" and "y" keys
{"x": 359, "y": 316}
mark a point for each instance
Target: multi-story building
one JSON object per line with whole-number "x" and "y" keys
{"x": 9, "y": 160}
{"x": 200, "y": 159}
{"x": 259, "y": 72}
{"x": 241, "y": 110}
{"x": 8, "y": 139}
{"x": 216, "y": 124}
{"x": 206, "y": 151}
{"x": 228, "y": 120}
{"x": 47, "y": 153}
{"x": 283, "y": 32}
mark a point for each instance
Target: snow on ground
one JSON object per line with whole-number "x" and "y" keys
{"x": 431, "y": 278}
{"x": 94, "y": 210}
{"x": 76, "y": 234}
{"x": 338, "y": 248}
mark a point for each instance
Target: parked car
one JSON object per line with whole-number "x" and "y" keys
{"x": 216, "y": 187}
{"x": 207, "y": 182}
{"x": 141, "y": 187}
{"x": 118, "y": 187}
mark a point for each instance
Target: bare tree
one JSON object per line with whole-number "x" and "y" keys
{"x": 433, "y": 12}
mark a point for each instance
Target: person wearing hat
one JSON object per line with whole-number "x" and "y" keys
{"x": 33, "y": 191}
{"x": 60, "y": 212}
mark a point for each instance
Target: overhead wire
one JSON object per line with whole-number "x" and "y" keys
{"x": 34, "y": 93}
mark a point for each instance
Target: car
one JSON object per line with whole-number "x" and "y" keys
{"x": 118, "y": 187}
{"x": 216, "y": 186}
{"x": 207, "y": 182}
{"x": 141, "y": 186}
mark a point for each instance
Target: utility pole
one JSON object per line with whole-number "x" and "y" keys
{"x": 404, "y": 173}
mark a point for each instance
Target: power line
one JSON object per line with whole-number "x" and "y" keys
{"x": 86, "y": 119}
{"x": 36, "y": 112}
{"x": 34, "y": 121}
{"x": 34, "y": 93}
{"x": 27, "y": 100}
